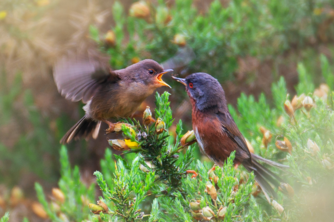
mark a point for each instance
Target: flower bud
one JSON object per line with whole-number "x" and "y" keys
{"x": 256, "y": 189}
{"x": 63, "y": 217}
{"x": 250, "y": 147}
{"x": 266, "y": 138}
{"x": 288, "y": 108}
{"x": 96, "y": 209}
{"x": 55, "y": 207}
{"x": 159, "y": 126}
{"x": 180, "y": 40}
{"x": 221, "y": 212}
{"x": 322, "y": 91}
{"x": 38, "y": 209}
{"x": 135, "y": 60}
{"x": 149, "y": 164}
{"x": 280, "y": 120}
{"x": 103, "y": 205}
{"x": 263, "y": 130}
{"x": 84, "y": 200}
{"x": 286, "y": 188}
{"x": 313, "y": 147}
{"x": 194, "y": 206}
{"x": 197, "y": 216}
{"x": 58, "y": 195}
{"x": 162, "y": 16}
{"x": 117, "y": 127}
{"x": 110, "y": 38}
{"x": 308, "y": 103}
{"x": 211, "y": 190}
{"x": 213, "y": 176}
{"x": 16, "y": 196}
{"x": 118, "y": 144}
{"x": 284, "y": 146}
{"x": 147, "y": 116}
{"x": 277, "y": 206}
{"x": 297, "y": 101}
{"x": 132, "y": 144}
{"x": 139, "y": 10}
{"x": 326, "y": 163}
{"x": 309, "y": 180}
{"x": 188, "y": 138}
{"x": 2, "y": 203}
{"x": 208, "y": 213}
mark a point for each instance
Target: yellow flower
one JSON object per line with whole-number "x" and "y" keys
{"x": 132, "y": 144}
{"x": 3, "y": 15}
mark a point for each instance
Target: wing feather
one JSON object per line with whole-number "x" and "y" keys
{"x": 79, "y": 78}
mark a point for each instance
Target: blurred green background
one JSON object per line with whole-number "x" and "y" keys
{"x": 246, "y": 44}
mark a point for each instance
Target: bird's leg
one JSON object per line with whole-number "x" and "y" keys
{"x": 193, "y": 172}
{"x": 111, "y": 126}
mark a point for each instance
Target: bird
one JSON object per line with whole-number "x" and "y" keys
{"x": 107, "y": 93}
{"x": 218, "y": 135}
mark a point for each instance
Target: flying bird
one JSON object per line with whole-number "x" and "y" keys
{"x": 107, "y": 93}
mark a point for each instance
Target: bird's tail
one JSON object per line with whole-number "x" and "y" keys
{"x": 265, "y": 177}
{"x": 84, "y": 128}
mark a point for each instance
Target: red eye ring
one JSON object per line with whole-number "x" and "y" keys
{"x": 191, "y": 85}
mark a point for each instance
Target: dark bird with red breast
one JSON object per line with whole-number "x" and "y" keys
{"x": 217, "y": 134}
{"x": 107, "y": 93}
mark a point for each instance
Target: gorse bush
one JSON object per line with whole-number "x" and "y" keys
{"x": 158, "y": 179}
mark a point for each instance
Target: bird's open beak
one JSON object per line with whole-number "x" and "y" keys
{"x": 159, "y": 77}
{"x": 180, "y": 80}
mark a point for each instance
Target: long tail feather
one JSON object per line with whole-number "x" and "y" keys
{"x": 84, "y": 128}
{"x": 272, "y": 163}
{"x": 265, "y": 177}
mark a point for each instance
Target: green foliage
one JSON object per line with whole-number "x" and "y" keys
{"x": 152, "y": 182}
{"x": 216, "y": 37}
{"x": 233, "y": 194}
{"x": 311, "y": 166}
{"x": 77, "y": 195}
{"x": 5, "y": 218}
{"x": 160, "y": 168}
{"x": 33, "y": 132}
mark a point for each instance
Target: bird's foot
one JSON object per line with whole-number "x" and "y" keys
{"x": 111, "y": 127}
{"x": 193, "y": 172}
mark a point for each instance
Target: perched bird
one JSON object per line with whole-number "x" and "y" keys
{"x": 217, "y": 134}
{"x": 107, "y": 93}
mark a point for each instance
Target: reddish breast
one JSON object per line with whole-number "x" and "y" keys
{"x": 213, "y": 141}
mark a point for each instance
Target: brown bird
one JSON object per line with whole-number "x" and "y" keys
{"x": 217, "y": 134}
{"x": 107, "y": 93}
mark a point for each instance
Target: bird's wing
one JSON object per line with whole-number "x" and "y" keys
{"x": 231, "y": 129}
{"x": 79, "y": 78}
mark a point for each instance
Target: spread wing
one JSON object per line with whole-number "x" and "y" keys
{"x": 79, "y": 78}
{"x": 231, "y": 129}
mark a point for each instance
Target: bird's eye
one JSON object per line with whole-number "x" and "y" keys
{"x": 151, "y": 71}
{"x": 191, "y": 85}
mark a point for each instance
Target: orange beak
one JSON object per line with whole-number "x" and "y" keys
{"x": 159, "y": 77}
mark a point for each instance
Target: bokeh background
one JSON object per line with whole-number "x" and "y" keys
{"x": 246, "y": 44}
